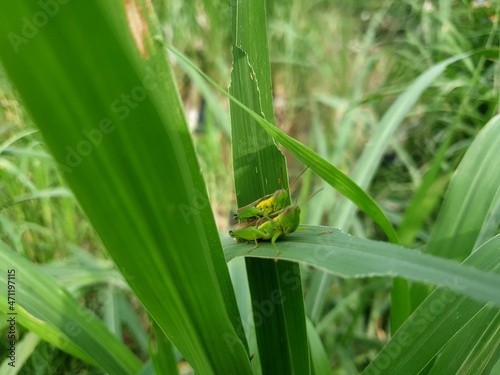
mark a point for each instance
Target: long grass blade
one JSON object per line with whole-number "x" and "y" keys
{"x": 470, "y": 197}
{"x": 438, "y": 319}
{"x": 259, "y": 169}
{"x": 48, "y": 310}
{"x": 100, "y": 89}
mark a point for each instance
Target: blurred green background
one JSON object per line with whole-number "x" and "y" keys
{"x": 336, "y": 69}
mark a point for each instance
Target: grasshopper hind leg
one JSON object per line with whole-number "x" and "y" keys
{"x": 277, "y": 255}
{"x": 273, "y": 242}
{"x": 253, "y": 248}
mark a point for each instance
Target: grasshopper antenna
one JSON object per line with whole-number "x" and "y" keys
{"x": 311, "y": 196}
{"x": 296, "y": 178}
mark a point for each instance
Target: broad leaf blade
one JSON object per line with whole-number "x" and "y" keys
{"x": 472, "y": 193}
{"x": 104, "y": 99}
{"x": 347, "y": 256}
{"x": 48, "y": 310}
{"x": 260, "y": 169}
{"x": 319, "y": 359}
{"x": 434, "y": 323}
{"x": 473, "y": 347}
{"x": 469, "y": 197}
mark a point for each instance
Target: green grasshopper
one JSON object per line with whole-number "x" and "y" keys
{"x": 271, "y": 229}
{"x": 264, "y": 207}
{"x": 267, "y": 205}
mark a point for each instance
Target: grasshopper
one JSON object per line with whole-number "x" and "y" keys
{"x": 271, "y": 229}
{"x": 264, "y": 207}
{"x": 267, "y": 205}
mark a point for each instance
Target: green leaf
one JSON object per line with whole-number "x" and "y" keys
{"x": 469, "y": 196}
{"x": 472, "y": 193}
{"x": 23, "y": 350}
{"x": 162, "y": 353}
{"x": 435, "y": 322}
{"x": 102, "y": 94}
{"x": 47, "y": 309}
{"x": 474, "y": 347}
{"x": 347, "y": 256}
{"x": 259, "y": 166}
{"x": 319, "y": 358}
{"x": 41, "y": 194}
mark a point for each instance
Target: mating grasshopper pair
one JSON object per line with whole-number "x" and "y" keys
{"x": 270, "y": 227}
{"x": 268, "y": 218}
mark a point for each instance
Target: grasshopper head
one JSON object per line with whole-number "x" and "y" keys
{"x": 274, "y": 203}
{"x": 280, "y": 199}
{"x": 290, "y": 218}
